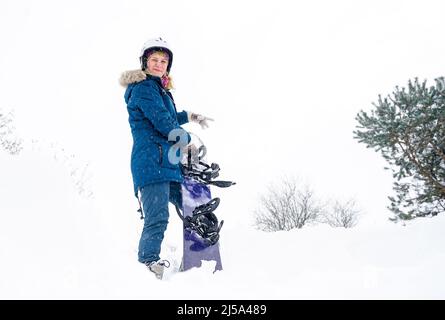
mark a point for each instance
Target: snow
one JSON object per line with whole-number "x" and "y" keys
{"x": 68, "y": 222}
{"x": 58, "y": 244}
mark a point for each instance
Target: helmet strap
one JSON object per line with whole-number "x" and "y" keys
{"x": 144, "y": 62}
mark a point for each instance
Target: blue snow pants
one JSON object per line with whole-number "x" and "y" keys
{"x": 154, "y": 200}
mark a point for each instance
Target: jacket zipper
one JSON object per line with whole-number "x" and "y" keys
{"x": 160, "y": 154}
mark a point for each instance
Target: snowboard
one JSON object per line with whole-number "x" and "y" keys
{"x": 195, "y": 193}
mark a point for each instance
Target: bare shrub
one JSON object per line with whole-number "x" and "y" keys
{"x": 286, "y": 207}
{"x": 9, "y": 142}
{"x": 342, "y": 214}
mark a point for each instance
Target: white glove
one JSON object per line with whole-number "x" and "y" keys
{"x": 198, "y": 118}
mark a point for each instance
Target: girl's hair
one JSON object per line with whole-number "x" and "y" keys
{"x": 167, "y": 82}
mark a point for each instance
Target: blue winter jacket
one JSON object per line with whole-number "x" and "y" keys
{"x": 152, "y": 115}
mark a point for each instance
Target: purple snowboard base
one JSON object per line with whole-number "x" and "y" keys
{"x": 194, "y": 194}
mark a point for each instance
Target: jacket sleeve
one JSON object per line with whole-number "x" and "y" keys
{"x": 182, "y": 117}
{"x": 150, "y": 101}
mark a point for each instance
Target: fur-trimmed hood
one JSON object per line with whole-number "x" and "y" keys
{"x": 132, "y": 76}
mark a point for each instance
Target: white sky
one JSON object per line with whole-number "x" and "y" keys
{"x": 282, "y": 79}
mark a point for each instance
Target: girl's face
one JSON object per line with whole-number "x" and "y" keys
{"x": 157, "y": 64}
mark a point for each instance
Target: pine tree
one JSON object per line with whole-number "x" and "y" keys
{"x": 408, "y": 128}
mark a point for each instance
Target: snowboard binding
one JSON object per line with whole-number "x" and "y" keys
{"x": 204, "y": 223}
{"x": 194, "y": 167}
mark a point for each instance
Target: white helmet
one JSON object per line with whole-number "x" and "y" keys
{"x": 156, "y": 44}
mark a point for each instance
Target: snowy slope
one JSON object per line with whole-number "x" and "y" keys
{"x": 57, "y": 244}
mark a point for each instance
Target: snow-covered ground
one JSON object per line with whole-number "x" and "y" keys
{"x": 57, "y": 244}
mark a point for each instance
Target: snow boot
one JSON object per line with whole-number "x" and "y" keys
{"x": 157, "y": 267}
